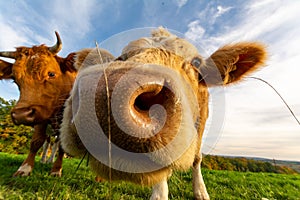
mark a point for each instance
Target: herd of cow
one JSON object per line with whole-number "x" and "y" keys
{"x": 139, "y": 116}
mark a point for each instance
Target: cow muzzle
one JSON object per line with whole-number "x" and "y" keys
{"x": 24, "y": 116}
{"x": 147, "y": 112}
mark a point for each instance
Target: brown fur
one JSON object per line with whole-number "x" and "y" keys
{"x": 88, "y": 57}
{"x": 31, "y": 73}
{"x": 236, "y": 61}
{"x": 230, "y": 63}
{"x": 5, "y": 70}
{"x": 71, "y": 142}
{"x": 44, "y": 80}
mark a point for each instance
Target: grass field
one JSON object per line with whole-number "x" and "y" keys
{"x": 80, "y": 184}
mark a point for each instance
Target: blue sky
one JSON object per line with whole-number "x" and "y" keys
{"x": 256, "y": 121}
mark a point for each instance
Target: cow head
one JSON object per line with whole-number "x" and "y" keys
{"x": 152, "y": 104}
{"x": 44, "y": 80}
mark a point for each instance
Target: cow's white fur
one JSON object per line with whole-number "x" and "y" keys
{"x": 199, "y": 188}
{"x": 160, "y": 191}
{"x": 57, "y": 173}
{"x": 25, "y": 170}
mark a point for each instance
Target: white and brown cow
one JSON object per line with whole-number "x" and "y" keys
{"x": 143, "y": 115}
{"x": 45, "y": 81}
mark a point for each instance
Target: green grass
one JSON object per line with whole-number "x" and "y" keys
{"x": 80, "y": 184}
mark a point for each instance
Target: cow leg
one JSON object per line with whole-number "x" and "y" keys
{"x": 55, "y": 147}
{"x": 199, "y": 189}
{"x": 46, "y": 146}
{"x": 57, "y": 165}
{"x": 38, "y": 138}
{"x": 160, "y": 191}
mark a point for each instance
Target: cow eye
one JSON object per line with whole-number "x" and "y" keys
{"x": 51, "y": 74}
{"x": 26, "y": 52}
{"x": 196, "y": 62}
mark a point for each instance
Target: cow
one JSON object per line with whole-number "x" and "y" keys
{"x": 142, "y": 116}
{"x": 44, "y": 80}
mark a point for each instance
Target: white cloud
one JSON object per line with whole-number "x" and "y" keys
{"x": 181, "y": 3}
{"x": 8, "y": 90}
{"x": 263, "y": 20}
{"x": 206, "y": 19}
{"x": 73, "y": 15}
{"x": 25, "y": 24}
{"x": 257, "y": 20}
{"x": 212, "y": 12}
{"x": 222, "y": 10}
{"x": 268, "y": 145}
{"x": 34, "y": 24}
{"x": 276, "y": 23}
{"x": 10, "y": 37}
{"x": 195, "y": 31}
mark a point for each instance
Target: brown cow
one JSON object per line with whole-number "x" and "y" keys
{"x": 44, "y": 80}
{"x": 143, "y": 115}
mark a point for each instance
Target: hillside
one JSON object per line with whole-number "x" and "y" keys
{"x": 80, "y": 184}
{"x": 295, "y": 165}
{"x": 291, "y": 164}
{"x": 250, "y": 164}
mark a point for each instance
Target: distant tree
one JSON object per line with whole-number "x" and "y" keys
{"x": 243, "y": 165}
{"x": 253, "y": 166}
{"x": 13, "y": 138}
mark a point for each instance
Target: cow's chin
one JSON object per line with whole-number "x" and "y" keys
{"x": 29, "y": 122}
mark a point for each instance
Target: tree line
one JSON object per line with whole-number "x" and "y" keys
{"x": 243, "y": 165}
{"x": 15, "y": 139}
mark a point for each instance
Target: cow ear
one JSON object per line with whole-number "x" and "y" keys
{"x": 92, "y": 56}
{"x": 5, "y": 70}
{"x": 231, "y": 63}
{"x": 67, "y": 64}
{"x": 80, "y": 59}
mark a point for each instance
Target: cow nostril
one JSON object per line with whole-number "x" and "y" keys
{"x": 23, "y": 115}
{"x": 13, "y": 114}
{"x": 32, "y": 111}
{"x": 147, "y": 99}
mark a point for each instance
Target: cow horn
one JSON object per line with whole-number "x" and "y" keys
{"x": 57, "y": 47}
{"x": 8, "y": 54}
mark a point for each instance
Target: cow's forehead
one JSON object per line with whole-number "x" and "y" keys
{"x": 42, "y": 49}
{"x": 34, "y": 61}
{"x": 164, "y": 40}
{"x": 180, "y": 47}
{"x": 33, "y": 56}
